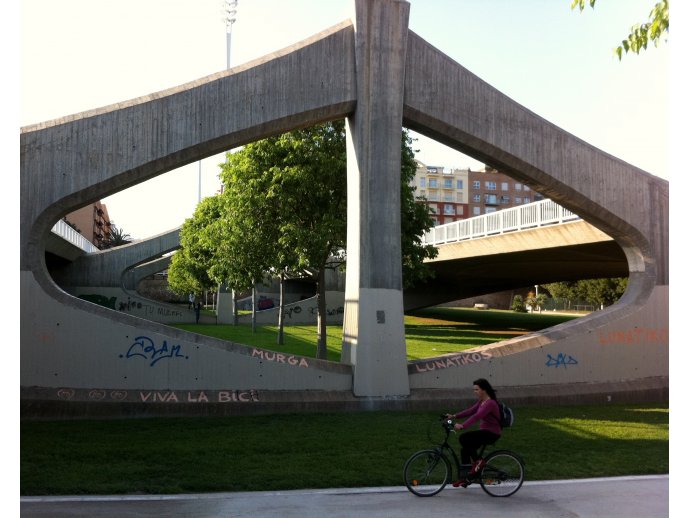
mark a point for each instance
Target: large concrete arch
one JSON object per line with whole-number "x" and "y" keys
{"x": 376, "y": 73}
{"x": 627, "y": 341}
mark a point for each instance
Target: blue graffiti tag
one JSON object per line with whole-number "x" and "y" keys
{"x": 561, "y": 359}
{"x": 144, "y": 347}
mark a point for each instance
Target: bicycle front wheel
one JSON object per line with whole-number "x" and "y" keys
{"x": 503, "y": 474}
{"x": 427, "y": 472}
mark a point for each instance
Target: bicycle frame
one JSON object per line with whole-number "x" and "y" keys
{"x": 448, "y": 426}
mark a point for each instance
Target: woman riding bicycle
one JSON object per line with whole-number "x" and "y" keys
{"x": 486, "y": 411}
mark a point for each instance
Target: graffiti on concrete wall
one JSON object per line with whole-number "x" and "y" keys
{"x": 155, "y": 396}
{"x": 296, "y": 310}
{"x": 101, "y": 300}
{"x": 636, "y": 335}
{"x": 177, "y": 396}
{"x": 330, "y": 312}
{"x": 131, "y": 306}
{"x": 561, "y": 360}
{"x": 272, "y": 356}
{"x": 453, "y": 361}
{"x": 144, "y": 347}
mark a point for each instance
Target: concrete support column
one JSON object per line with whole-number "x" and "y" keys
{"x": 373, "y": 328}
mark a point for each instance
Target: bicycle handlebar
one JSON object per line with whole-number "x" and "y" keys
{"x": 447, "y": 423}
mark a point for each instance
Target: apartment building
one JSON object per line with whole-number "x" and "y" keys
{"x": 491, "y": 190}
{"x": 92, "y": 222}
{"x": 444, "y": 190}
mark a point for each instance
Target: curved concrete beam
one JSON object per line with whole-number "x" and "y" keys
{"x": 467, "y": 114}
{"x": 134, "y": 276}
{"x": 107, "y": 268}
{"x": 75, "y": 160}
{"x": 72, "y": 161}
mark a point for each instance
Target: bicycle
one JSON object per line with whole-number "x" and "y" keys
{"x": 500, "y": 474}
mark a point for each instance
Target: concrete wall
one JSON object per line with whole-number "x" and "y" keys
{"x": 303, "y": 312}
{"x": 69, "y": 162}
{"x": 375, "y": 73}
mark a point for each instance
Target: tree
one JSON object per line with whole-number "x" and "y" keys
{"x": 415, "y": 220}
{"x": 116, "y": 237}
{"x": 192, "y": 266}
{"x": 518, "y": 305}
{"x": 284, "y": 209}
{"x": 640, "y": 34}
{"x": 597, "y": 291}
{"x": 535, "y": 302}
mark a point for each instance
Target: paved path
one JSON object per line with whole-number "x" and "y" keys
{"x": 625, "y": 497}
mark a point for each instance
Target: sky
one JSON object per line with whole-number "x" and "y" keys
{"x": 78, "y": 55}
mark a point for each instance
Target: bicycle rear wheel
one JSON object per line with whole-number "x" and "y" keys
{"x": 503, "y": 474}
{"x": 426, "y": 472}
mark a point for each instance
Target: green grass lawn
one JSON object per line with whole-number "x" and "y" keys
{"x": 281, "y": 452}
{"x": 428, "y": 332}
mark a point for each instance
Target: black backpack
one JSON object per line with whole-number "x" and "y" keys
{"x": 506, "y": 415}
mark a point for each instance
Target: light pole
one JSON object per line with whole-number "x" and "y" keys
{"x": 230, "y": 17}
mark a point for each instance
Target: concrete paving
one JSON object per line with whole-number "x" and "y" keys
{"x": 623, "y": 497}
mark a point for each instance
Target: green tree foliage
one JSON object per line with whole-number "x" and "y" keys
{"x": 285, "y": 202}
{"x": 518, "y": 304}
{"x": 414, "y": 222}
{"x": 535, "y": 302}
{"x": 597, "y": 291}
{"x": 640, "y": 34}
{"x": 116, "y": 237}
{"x": 283, "y": 213}
{"x": 192, "y": 266}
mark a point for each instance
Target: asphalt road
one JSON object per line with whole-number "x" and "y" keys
{"x": 625, "y": 497}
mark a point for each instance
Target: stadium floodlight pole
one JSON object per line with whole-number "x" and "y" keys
{"x": 230, "y": 18}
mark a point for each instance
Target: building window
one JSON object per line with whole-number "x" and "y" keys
{"x": 526, "y": 199}
{"x": 458, "y": 184}
{"x": 538, "y": 197}
{"x": 490, "y": 199}
{"x": 504, "y": 186}
{"x": 518, "y": 200}
{"x": 448, "y": 183}
{"x": 448, "y": 209}
{"x": 489, "y": 210}
{"x": 432, "y": 208}
{"x": 476, "y": 184}
{"x": 458, "y": 197}
{"x": 526, "y": 188}
{"x": 433, "y": 196}
{"x": 476, "y": 198}
{"x": 460, "y": 210}
{"x": 448, "y": 196}
{"x": 491, "y": 186}
{"x": 476, "y": 211}
{"x": 505, "y": 200}
{"x": 432, "y": 170}
{"x": 518, "y": 186}
{"x": 422, "y": 182}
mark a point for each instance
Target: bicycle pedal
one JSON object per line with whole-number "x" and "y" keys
{"x": 460, "y": 483}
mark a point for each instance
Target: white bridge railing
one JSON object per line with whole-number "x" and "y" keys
{"x": 523, "y": 217}
{"x": 67, "y": 233}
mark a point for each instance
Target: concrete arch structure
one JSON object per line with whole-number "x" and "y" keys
{"x": 375, "y": 72}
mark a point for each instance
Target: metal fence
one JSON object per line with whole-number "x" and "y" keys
{"x": 67, "y": 233}
{"x": 523, "y": 217}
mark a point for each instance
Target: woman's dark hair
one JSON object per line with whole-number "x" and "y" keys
{"x": 486, "y": 386}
